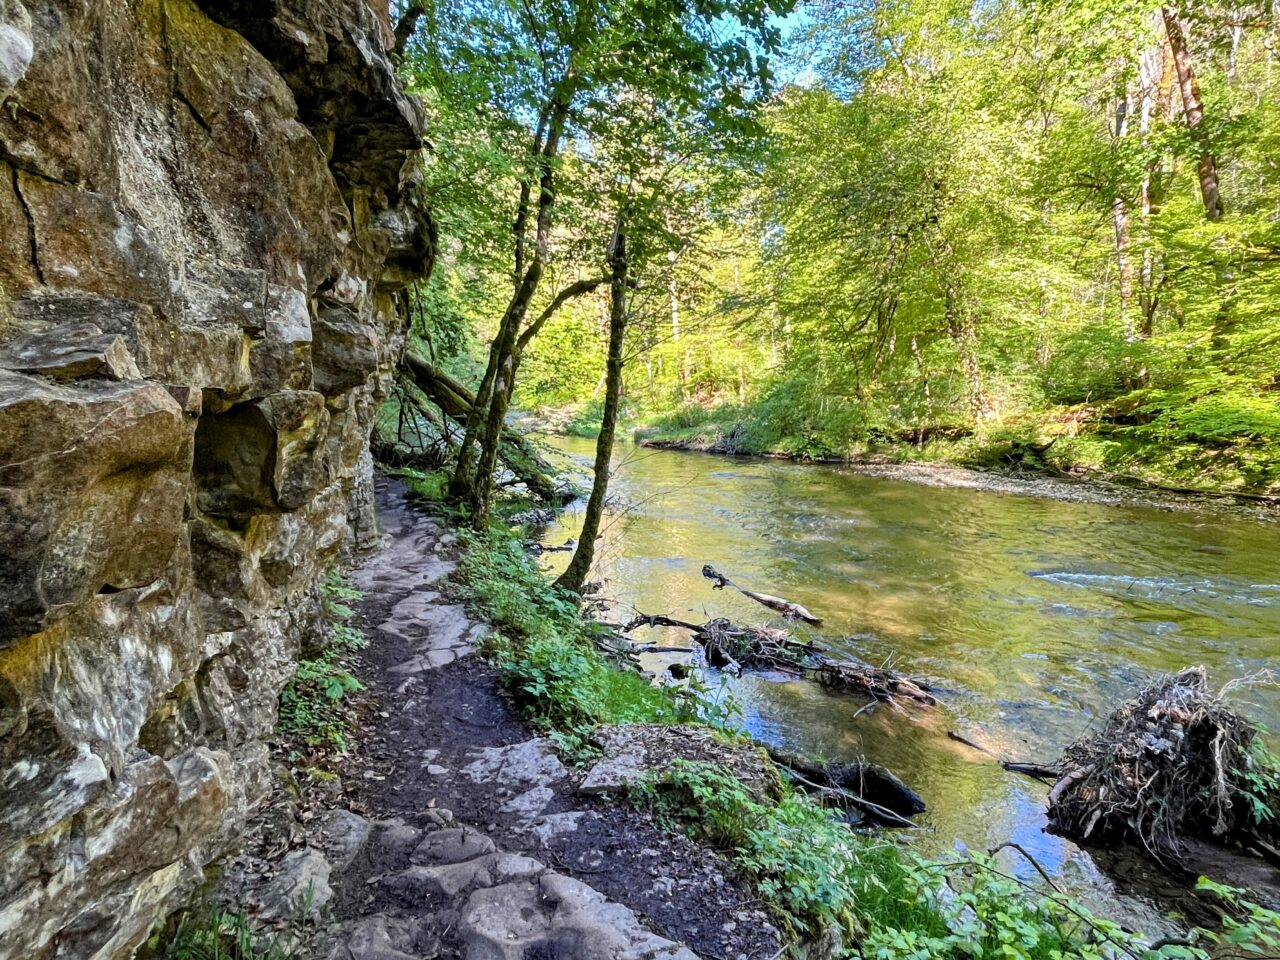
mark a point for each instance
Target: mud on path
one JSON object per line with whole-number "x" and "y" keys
{"x": 476, "y": 843}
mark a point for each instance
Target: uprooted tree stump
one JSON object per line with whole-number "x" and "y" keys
{"x": 1174, "y": 763}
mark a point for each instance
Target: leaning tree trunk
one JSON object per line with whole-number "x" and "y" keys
{"x": 1193, "y": 110}
{"x": 576, "y": 573}
{"x": 457, "y": 402}
{"x": 475, "y": 483}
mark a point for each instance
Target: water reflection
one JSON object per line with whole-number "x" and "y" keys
{"x": 1033, "y": 617}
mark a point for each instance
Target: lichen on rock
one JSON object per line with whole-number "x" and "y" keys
{"x": 207, "y": 214}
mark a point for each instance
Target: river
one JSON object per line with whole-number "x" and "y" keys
{"x": 1033, "y": 618}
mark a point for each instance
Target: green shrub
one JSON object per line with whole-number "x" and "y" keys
{"x": 207, "y": 931}
{"x": 545, "y": 649}
{"x": 314, "y": 707}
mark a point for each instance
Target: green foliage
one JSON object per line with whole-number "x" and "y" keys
{"x": 314, "y": 705}
{"x": 1248, "y": 930}
{"x": 1261, "y": 774}
{"x": 950, "y": 229}
{"x": 428, "y": 484}
{"x": 208, "y": 931}
{"x": 890, "y": 904}
{"x": 544, "y": 648}
{"x": 801, "y": 859}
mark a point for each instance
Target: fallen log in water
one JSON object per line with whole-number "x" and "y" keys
{"x": 730, "y": 645}
{"x": 784, "y": 607}
{"x": 867, "y": 790}
{"x": 868, "y": 787}
{"x": 873, "y": 681}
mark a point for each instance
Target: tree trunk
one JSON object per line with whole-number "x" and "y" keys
{"x": 961, "y": 327}
{"x": 1155, "y": 72}
{"x": 1193, "y": 110}
{"x": 1120, "y": 220}
{"x": 576, "y": 573}
{"x": 1120, "y": 223}
{"x": 486, "y": 423}
{"x": 456, "y": 400}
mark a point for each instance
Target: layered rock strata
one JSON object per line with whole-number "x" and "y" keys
{"x": 207, "y": 219}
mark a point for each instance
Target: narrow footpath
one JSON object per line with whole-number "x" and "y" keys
{"x": 475, "y": 841}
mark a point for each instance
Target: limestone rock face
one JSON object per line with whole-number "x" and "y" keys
{"x": 207, "y": 214}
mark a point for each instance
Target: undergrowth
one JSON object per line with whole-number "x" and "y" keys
{"x": 545, "y": 650}
{"x": 814, "y": 871}
{"x": 210, "y": 931}
{"x": 428, "y": 484}
{"x": 315, "y": 707}
{"x": 890, "y": 904}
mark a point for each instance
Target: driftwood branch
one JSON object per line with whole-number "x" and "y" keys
{"x": 784, "y": 607}
{"x": 1037, "y": 771}
{"x": 731, "y": 645}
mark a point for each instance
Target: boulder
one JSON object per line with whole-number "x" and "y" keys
{"x": 631, "y": 752}
{"x": 79, "y": 352}
{"x": 93, "y": 480}
{"x": 346, "y": 350}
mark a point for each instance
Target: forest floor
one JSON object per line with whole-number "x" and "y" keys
{"x": 471, "y": 837}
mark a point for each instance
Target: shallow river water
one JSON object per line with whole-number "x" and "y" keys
{"x": 1032, "y": 617}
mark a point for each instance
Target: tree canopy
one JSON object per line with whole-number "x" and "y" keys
{"x": 1041, "y": 221}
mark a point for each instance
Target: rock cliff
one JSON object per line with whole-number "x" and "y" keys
{"x": 206, "y": 223}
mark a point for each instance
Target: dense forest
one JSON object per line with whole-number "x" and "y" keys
{"x": 1044, "y": 234}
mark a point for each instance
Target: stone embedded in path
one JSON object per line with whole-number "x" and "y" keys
{"x": 395, "y": 838}
{"x": 529, "y": 804}
{"x": 342, "y": 835}
{"x": 301, "y": 886}
{"x": 451, "y": 846}
{"x": 529, "y": 764}
{"x": 442, "y": 633}
{"x": 556, "y": 916}
{"x": 452, "y": 879}
{"x": 431, "y": 660}
{"x": 634, "y": 751}
{"x": 553, "y": 825}
{"x": 380, "y": 937}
